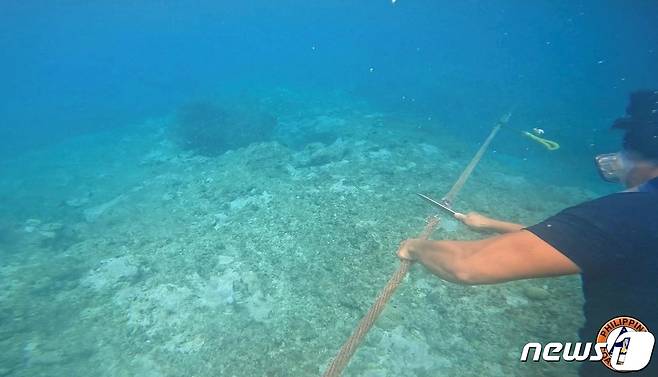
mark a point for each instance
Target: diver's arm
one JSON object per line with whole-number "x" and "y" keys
{"x": 511, "y": 256}
{"x": 480, "y": 222}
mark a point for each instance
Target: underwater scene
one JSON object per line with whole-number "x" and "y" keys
{"x": 219, "y": 188}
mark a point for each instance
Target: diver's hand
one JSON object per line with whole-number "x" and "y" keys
{"x": 474, "y": 220}
{"x": 408, "y": 249}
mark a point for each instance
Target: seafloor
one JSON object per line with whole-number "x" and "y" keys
{"x": 124, "y": 256}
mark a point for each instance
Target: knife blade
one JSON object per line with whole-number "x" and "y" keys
{"x": 438, "y": 204}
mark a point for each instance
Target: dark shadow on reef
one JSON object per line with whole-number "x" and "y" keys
{"x": 210, "y": 129}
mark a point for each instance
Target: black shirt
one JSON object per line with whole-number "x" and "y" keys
{"x": 614, "y": 241}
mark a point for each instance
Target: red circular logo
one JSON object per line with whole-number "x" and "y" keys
{"x": 611, "y": 332}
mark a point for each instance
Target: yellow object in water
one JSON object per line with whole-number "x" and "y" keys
{"x": 549, "y": 144}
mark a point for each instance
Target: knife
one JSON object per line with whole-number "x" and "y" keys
{"x": 438, "y": 204}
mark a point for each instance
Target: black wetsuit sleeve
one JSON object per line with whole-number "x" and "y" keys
{"x": 586, "y": 235}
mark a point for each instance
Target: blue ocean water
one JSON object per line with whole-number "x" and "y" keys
{"x": 138, "y": 237}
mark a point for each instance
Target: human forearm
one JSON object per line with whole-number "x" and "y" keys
{"x": 511, "y": 256}
{"x": 480, "y": 222}
{"x": 503, "y": 226}
{"x": 443, "y": 258}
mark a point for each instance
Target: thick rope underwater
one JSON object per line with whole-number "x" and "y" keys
{"x": 349, "y": 347}
{"x": 452, "y": 194}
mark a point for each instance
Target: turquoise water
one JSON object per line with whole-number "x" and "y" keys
{"x": 219, "y": 189}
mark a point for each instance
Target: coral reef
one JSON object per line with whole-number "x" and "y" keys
{"x": 261, "y": 260}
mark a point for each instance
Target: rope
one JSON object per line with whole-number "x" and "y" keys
{"x": 452, "y": 194}
{"x": 352, "y": 343}
{"x": 349, "y": 347}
